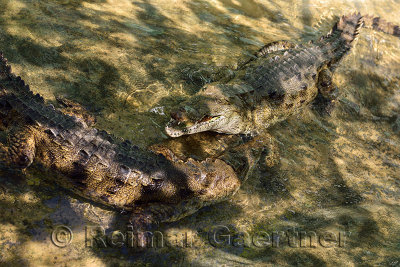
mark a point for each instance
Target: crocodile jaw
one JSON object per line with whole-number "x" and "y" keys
{"x": 212, "y": 124}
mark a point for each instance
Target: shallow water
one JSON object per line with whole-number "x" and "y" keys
{"x": 129, "y": 62}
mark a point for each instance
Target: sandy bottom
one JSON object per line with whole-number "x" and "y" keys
{"x": 334, "y": 198}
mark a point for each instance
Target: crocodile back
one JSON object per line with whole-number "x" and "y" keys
{"x": 94, "y": 163}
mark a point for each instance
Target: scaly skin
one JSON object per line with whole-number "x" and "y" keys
{"x": 155, "y": 185}
{"x": 281, "y": 81}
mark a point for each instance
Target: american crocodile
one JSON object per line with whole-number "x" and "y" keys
{"x": 281, "y": 80}
{"x": 154, "y": 184}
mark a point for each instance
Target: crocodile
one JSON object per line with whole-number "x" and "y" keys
{"x": 278, "y": 82}
{"x": 155, "y": 184}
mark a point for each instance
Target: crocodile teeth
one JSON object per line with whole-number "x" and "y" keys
{"x": 210, "y": 124}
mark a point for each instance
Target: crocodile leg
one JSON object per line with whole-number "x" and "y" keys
{"x": 325, "y": 85}
{"x": 207, "y": 184}
{"x": 145, "y": 217}
{"x": 328, "y": 93}
{"x": 207, "y": 189}
{"x": 20, "y": 150}
{"x": 208, "y": 74}
{"x": 74, "y": 109}
{"x": 270, "y": 155}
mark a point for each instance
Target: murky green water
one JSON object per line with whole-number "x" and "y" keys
{"x": 130, "y": 61}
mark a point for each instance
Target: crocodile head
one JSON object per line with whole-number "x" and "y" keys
{"x": 201, "y": 114}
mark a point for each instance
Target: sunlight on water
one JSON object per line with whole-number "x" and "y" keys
{"x": 130, "y": 62}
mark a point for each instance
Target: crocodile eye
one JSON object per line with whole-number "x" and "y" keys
{"x": 177, "y": 115}
{"x": 158, "y": 176}
{"x": 325, "y": 84}
{"x": 23, "y": 161}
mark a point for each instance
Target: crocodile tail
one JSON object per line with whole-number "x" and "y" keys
{"x": 340, "y": 38}
{"x": 347, "y": 28}
{"x": 19, "y": 85}
{"x": 23, "y": 100}
{"x": 5, "y": 69}
{"x": 381, "y": 25}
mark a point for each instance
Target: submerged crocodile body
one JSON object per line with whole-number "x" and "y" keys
{"x": 280, "y": 81}
{"x": 155, "y": 184}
